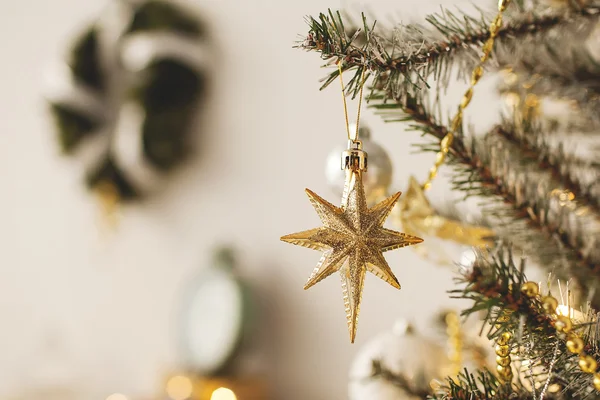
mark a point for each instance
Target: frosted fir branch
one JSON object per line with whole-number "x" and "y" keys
{"x": 580, "y": 97}
{"x": 562, "y": 64}
{"x": 409, "y": 55}
{"x": 493, "y": 285}
{"x": 521, "y": 201}
{"x": 578, "y": 176}
{"x": 537, "y": 214}
{"x": 582, "y": 100}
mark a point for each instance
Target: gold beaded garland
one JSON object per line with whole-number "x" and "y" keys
{"x": 574, "y": 344}
{"x": 487, "y": 48}
{"x": 504, "y": 373}
{"x": 597, "y": 381}
{"x": 587, "y": 364}
{"x": 502, "y": 351}
{"x": 563, "y": 324}
{"x": 503, "y": 361}
{"x": 530, "y": 289}
{"x": 502, "y": 369}
{"x": 504, "y": 338}
{"x": 550, "y": 304}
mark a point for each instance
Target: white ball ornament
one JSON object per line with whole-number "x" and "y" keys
{"x": 402, "y": 352}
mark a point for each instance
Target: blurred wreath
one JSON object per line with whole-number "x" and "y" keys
{"x": 126, "y": 101}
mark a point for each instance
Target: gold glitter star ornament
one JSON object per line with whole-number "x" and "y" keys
{"x": 352, "y": 237}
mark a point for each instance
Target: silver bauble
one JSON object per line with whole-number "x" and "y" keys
{"x": 378, "y": 177}
{"x": 403, "y": 352}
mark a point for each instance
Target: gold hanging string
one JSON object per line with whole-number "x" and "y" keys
{"x": 476, "y": 75}
{"x": 360, "y": 96}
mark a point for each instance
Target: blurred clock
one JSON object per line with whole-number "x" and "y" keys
{"x": 216, "y": 315}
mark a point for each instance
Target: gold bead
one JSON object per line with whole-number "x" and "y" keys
{"x": 587, "y": 364}
{"x": 575, "y": 344}
{"x": 493, "y": 30}
{"x": 456, "y": 123}
{"x": 549, "y": 303}
{"x": 504, "y": 339}
{"x": 530, "y": 289}
{"x": 502, "y": 4}
{"x": 477, "y": 74}
{"x": 498, "y": 20}
{"x": 439, "y": 157}
{"x": 503, "y": 370}
{"x": 503, "y": 361}
{"x": 502, "y": 351}
{"x": 597, "y": 381}
{"x": 563, "y": 324}
{"x": 496, "y": 25}
{"x": 504, "y": 373}
{"x": 467, "y": 98}
{"x": 488, "y": 46}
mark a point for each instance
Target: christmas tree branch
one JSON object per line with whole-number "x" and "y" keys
{"x": 494, "y": 285}
{"x": 581, "y": 97}
{"x": 482, "y": 386}
{"x": 407, "y": 56}
{"x": 523, "y": 202}
{"x": 575, "y": 175}
{"x": 541, "y": 217}
{"x": 540, "y": 66}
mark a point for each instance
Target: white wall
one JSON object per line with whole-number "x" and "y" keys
{"x": 109, "y": 299}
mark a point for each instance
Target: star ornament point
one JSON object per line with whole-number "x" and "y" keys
{"x": 352, "y": 240}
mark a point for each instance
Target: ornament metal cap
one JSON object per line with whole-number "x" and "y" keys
{"x": 355, "y": 158}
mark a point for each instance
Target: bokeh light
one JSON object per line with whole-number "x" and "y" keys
{"x": 223, "y": 394}
{"x": 179, "y": 388}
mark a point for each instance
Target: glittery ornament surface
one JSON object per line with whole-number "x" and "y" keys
{"x": 352, "y": 240}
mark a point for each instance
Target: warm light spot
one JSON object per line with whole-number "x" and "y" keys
{"x": 223, "y": 394}
{"x": 179, "y": 387}
{"x": 563, "y": 310}
{"x": 117, "y": 396}
{"x": 512, "y": 99}
{"x": 576, "y": 316}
